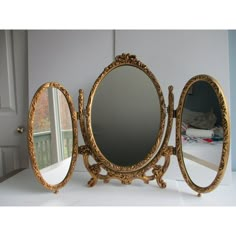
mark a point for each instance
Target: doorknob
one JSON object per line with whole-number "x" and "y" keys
{"x": 20, "y": 130}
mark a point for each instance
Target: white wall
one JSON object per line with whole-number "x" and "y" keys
{"x": 174, "y": 56}
{"x": 73, "y": 58}
{"x": 76, "y": 58}
{"x": 232, "y": 62}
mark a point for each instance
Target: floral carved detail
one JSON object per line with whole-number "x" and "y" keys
{"x": 158, "y": 173}
{"x": 124, "y": 59}
{"x": 84, "y": 149}
{"x": 95, "y": 168}
{"x": 128, "y": 173}
{"x": 81, "y": 114}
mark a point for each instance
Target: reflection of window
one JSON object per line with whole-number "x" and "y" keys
{"x": 52, "y": 128}
{"x": 65, "y": 125}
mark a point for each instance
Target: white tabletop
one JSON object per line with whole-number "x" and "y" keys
{"x": 24, "y": 190}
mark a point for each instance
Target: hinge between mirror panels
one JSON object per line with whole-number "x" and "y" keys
{"x": 174, "y": 114}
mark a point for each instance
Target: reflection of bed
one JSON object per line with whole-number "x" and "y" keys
{"x": 202, "y": 161}
{"x": 205, "y": 154}
{"x": 202, "y": 155}
{"x": 202, "y": 140}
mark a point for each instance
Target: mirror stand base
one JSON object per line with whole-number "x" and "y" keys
{"x": 92, "y": 182}
{"x": 126, "y": 178}
{"x": 158, "y": 173}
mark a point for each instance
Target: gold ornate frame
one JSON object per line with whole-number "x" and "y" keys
{"x": 160, "y": 149}
{"x": 74, "y": 119}
{"x": 128, "y": 173}
{"x": 226, "y": 128}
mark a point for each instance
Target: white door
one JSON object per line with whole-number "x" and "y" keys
{"x": 13, "y": 101}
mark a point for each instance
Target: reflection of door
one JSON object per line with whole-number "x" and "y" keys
{"x": 13, "y": 101}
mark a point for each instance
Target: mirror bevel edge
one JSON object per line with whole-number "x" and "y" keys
{"x": 30, "y": 139}
{"x": 121, "y": 60}
{"x": 226, "y": 128}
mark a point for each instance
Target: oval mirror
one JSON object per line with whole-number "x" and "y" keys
{"x": 52, "y": 135}
{"x": 126, "y": 116}
{"x": 202, "y": 133}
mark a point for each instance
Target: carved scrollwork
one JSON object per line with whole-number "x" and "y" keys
{"x": 158, "y": 173}
{"x": 81, "y": 115}
{"x": 128, "y": 173}
{"x": 95, "y": 169}
{"x": 225, "y": 124}
{"x": 84, "y": 149}
{"x": 124, "y": 59}
{"x": 126, "y": 178}
{"x": 167, "y": 151}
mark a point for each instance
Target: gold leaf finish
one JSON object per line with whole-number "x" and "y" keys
{"x": 81, "y": 114}
{"x": 31, "y": 150}
{"x": 126, "y": 173}
{"x": 226, "y": 128}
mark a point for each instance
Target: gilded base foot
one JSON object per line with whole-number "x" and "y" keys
{"x": 161, "y": 183}
{"x": 158, "y": 173}
{"x": 92, "y": 182}
{"x": 145, "y": 179}
{"x": 106, "y": 181}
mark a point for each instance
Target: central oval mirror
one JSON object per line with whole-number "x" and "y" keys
{"x": 127, "y": 117}
{"x": 52, "y": 135}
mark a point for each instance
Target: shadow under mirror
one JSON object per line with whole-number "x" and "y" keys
{"x": 202, "y": 133}
{"x": 52, "y": 135}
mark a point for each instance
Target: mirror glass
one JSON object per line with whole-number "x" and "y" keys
{"x": 125, "y": 115}
{"x": 52, "y": 135}
{"x": 202, "y": 133}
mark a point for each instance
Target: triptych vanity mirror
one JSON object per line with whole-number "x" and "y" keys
{"x": 126, "y": 126}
